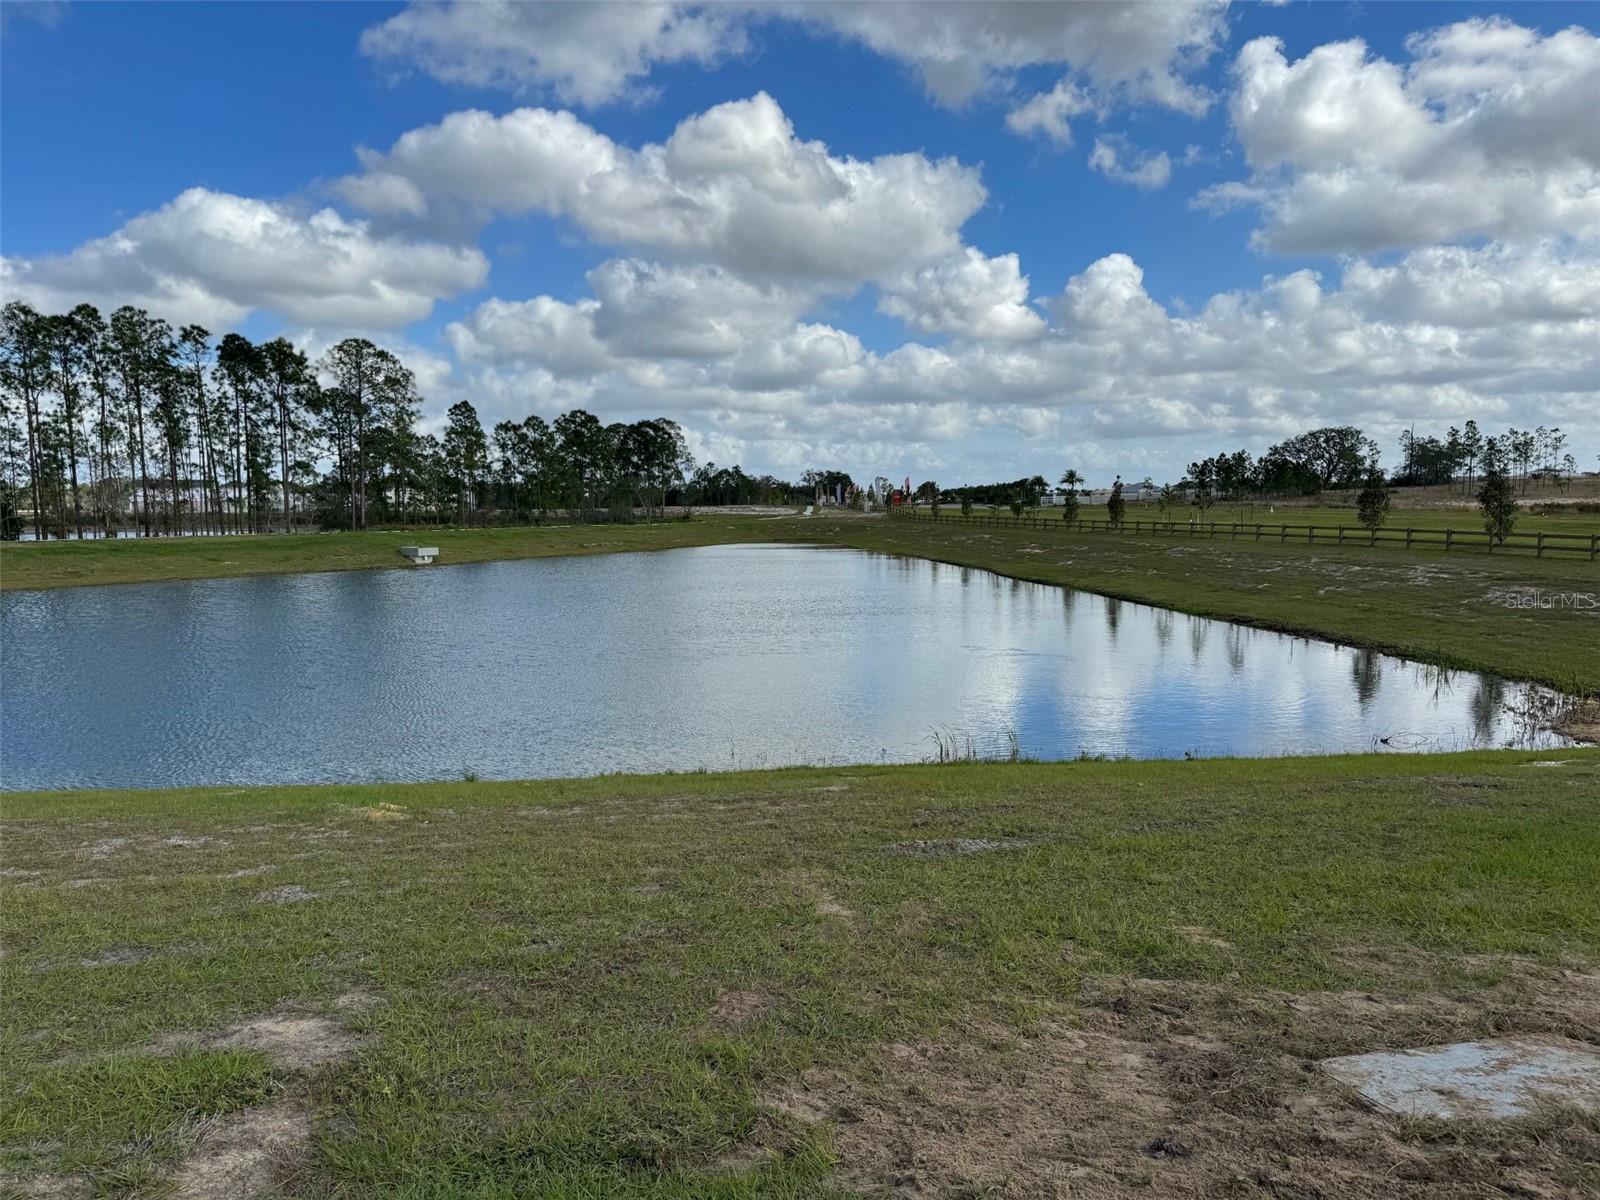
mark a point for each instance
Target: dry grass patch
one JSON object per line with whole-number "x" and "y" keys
{"x": 1190, "y": 1090}
{"x": 293, "y": 1041}
{"x": 249, "y": 1154}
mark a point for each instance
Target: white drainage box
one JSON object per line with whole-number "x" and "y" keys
{"x": 1505, "y": 1077}
{"x": 420, "y": 554}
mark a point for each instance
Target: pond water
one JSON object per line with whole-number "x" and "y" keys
{"x": 716, "y": 657}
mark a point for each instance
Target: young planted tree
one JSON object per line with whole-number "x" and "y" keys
{"x": 1072, "y": 481}
{"x": 1116, "y": 506}
{"x": 1372, "y": 505}
{"x": 1495, "y": 499}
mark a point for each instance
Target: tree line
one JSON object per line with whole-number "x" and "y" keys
{"x": 1344, "y": 457}
{"x": 129, "y": 425}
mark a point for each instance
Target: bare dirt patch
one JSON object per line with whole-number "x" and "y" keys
{"x": 737, "y": 1009}
{"x": 956, "y": 847}
{"x": 250, "y": 1153}
{"x": 809, "y": 887}
{"x": 293, "y": 1041}
{"x": 1582, "y": 720}
{"x": 1190, "y": 1090}
{"x": 1201, "y": 936}
{"x": 384, "y": 811}
{"x": 45, "y": 1187}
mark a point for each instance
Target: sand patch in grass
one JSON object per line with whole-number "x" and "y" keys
{"x": 248, "y": 1154}
{"x": 293, "y": 1041}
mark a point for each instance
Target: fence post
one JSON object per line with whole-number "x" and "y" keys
{"x": 1449, "y": 536}
{"x": 1311, "y": 534}
{"x": 1341, "y": 535}
{"x": 1594, "y": 546}
{"x": 1538, "y": 546}
{"x": 1409, "y": 532}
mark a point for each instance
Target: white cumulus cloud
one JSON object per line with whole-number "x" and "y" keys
{"x": 583, "y": 53}
{"x": 214, "y": 257}
{"x": 732, "y": 187}
{"x": 588, "y": 54}
{"x": 1120, "y": 162}
{"x": 1489, "y": 131}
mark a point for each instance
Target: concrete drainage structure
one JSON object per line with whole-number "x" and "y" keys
{"x": 421, "y": 555}
{"x": 1504, "y": 1077}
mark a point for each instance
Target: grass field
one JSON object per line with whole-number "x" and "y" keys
{"x": 1095, "y": 979}
{"x": 1329, "y": 515}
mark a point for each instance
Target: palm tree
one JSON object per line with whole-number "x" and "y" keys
{"x": 1072, "y": 481}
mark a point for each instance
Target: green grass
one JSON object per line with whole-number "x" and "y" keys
{"x": 147, "y": 560}
{"x": 546, "y": 962}
{"x": 1326, "y": 516}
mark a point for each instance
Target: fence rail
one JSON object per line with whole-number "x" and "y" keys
{"x": 1540, "y": 543}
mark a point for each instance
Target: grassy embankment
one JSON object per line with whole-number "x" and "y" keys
{"x": 797, "y": 983}
{"x": 152, "y": 560}
{"x": 1454, "y": 610}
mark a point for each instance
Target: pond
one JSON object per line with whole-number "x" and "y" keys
{"x": 716, "y": 657}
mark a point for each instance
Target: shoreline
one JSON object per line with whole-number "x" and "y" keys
{"x": 1385, "y": 600}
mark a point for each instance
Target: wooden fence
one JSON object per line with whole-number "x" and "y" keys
{"x": 1540, "y": 543}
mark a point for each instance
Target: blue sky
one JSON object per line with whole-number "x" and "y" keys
{"x": 111, "y": 111}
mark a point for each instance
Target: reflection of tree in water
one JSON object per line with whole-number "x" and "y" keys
{"x": 1235, "y": 642}
{"x": 1366, "y": 668}
{"x": 1069, "y": 607}
{"x": 1487, "y": 703}
{"x": 1113, "y": 615}
{"x": 1164, "y": 618}
{"x": 1197, "y": 637}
